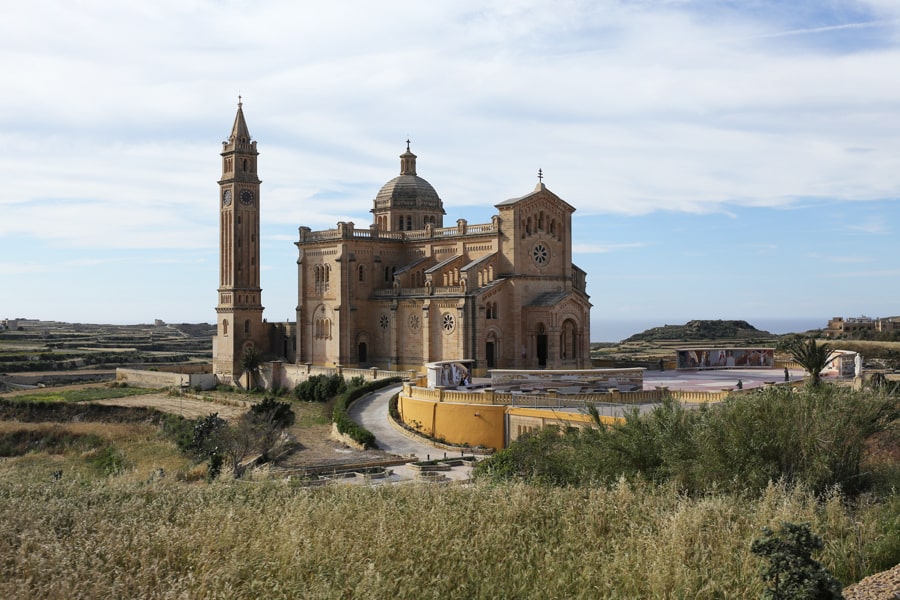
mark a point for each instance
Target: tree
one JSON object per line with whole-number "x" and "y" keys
{"x": 206, "y": 442}
{"x": 792, "y": 573}
{"x": 810, "y": 355}
{"x": 257, "y": 432}
{"x": 251, "y": 359}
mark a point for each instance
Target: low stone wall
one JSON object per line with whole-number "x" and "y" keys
{"x": 568, "y": 381}
{"x": 553, "y": 399}
{"x": 162, "y": 379}
{"x": 288, "y": 375}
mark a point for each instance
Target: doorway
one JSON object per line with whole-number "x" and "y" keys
{"x": 541, "y": 349}
{"x": 362, "y": 353}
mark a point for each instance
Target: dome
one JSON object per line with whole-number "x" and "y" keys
{"x": 408, "y": 191}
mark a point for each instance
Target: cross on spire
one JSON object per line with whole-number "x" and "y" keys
{"x": 407, "y": 144}
{"x": 540, "y": 175}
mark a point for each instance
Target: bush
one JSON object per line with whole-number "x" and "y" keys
{"x": 206, "y": 439}
{"x": 814, "y": 438}
{"x": 792, "y": 573}
{"x": 179, "y": 430}
{"x": 320, "y": 388}
{"x": 279, "y": 413}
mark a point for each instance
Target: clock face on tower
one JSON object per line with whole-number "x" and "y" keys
{"x": 247, "y": 197}
{"x": 226, "y": 198}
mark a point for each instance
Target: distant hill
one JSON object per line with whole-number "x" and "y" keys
{"x": 701, "y": 330}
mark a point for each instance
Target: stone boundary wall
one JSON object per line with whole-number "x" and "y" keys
{"x": 162, "y": 379}
{"x": 288, "y": 375}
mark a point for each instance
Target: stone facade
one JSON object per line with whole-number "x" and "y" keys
{"x": 406, "y": 290}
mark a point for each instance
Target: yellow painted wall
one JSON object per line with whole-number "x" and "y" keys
{"x": 571, "y": 418}
{"x": 473, "y": 424}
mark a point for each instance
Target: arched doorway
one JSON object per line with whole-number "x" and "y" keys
{"x": 541, "y": 345}
{"x": 362, "y": 353}
{"x": 490, "y": 351}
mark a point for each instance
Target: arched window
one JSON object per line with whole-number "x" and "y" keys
{"x": 362, "y": 273}
{"x": 409, "y": 222}
{"x": 247, "y": 326}
{"x": 225, "y": 327}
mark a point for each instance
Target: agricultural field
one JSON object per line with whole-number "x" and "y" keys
{"x": 52, "y": 353}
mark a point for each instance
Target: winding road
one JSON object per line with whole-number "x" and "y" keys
{"x": 371, "y": 412}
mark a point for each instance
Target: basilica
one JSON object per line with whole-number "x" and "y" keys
{"x": 406, "y": 289}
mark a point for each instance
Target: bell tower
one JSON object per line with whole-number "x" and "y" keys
{"x": 239, "y": 310}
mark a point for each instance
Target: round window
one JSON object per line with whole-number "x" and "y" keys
{"x": 540, "y": 254}
{"x": 448, "y": 323}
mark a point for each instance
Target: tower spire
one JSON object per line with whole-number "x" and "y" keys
{"x": 240, "y": 134}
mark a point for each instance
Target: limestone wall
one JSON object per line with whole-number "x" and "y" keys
{"x": 162, "y": 379}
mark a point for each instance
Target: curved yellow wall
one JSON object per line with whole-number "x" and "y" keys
{"x": 473, "y": 424}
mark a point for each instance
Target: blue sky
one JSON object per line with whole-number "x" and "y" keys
{"x": 730, "y": 159}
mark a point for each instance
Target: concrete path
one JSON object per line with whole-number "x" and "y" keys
{"x": 371, "y": 412}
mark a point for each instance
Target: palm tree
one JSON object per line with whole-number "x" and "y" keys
{"x": 813, "y": 357}
{"x": 251, "y": 359}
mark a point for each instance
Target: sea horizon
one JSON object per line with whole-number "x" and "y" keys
{"x": 616, "y": 330}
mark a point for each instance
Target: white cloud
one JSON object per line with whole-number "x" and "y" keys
{"x": 113, "y": 113}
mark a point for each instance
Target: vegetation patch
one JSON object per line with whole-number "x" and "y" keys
{"x": 53, "y": 441}
{"x": 38, "y": 412}
{"x": 815, "y": 437}
{"x": 81, "y": 394}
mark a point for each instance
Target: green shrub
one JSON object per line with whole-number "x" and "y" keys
{"x": 320, "y": 388}
{"x": 814, "y": 438}
{"x": 179, "y": 430}
{"x": 792, "y": 573}
{"x": 279, "y": 413}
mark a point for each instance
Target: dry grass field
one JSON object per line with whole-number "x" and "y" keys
{"x": 114, "y": 510}
{"x": 124, "y": 538}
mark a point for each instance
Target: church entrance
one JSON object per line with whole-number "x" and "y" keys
{"x": 489, "y": 355}
{"x": 541, "y": 349}
{"x": 362, "y": 353}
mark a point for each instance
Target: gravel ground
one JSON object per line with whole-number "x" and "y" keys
{"x": 881, "y": 586}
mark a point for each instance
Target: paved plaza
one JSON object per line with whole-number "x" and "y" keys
{"x": 715, "y": 380}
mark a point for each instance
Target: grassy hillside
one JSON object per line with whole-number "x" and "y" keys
{"x": 706, "y": 330}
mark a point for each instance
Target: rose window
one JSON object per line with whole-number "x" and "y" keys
{"x": 414, "y": 322}
{"x": 383, "y": 321}
{"x": 448, "y": 323}
{"x": 540, "y": 254}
